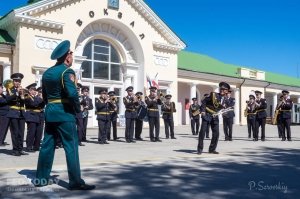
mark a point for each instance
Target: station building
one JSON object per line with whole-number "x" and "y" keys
{"x": 118, "y": 43}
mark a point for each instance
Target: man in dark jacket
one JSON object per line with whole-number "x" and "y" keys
{"x": 228, "y": 116}
{"x": 261, "y": 115}
{"x": 4, "y": 121}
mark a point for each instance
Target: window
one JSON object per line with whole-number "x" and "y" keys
{"x": 102, "y": 61}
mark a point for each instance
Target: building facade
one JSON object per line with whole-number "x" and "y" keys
{"x": 120, "y": 43}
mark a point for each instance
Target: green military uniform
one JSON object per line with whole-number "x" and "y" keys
{"x": 61, "y": 97}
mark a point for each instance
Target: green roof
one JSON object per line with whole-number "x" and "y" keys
{"x": 204, "y": 64}
{"x": 5, "y": 38}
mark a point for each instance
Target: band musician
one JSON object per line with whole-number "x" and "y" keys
{"x": 131, "y": 103}
{"x": 168, "y": 108}
{"x": 113, "y": 115}
{"x": 152, "y": 101}
{"x": 141, "y": 113}
{"x": 250, "y": 113}
{"x": 103, "y": 105}
{"x": 209, "y": 110}
{"x": 194, "y": 113}
{"x": 261, "y": 115}
{"x": 285, "y": 109}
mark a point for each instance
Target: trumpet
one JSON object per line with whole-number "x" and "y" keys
{"x": 23, "y": 93}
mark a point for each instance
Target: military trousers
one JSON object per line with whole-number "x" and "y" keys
{"x": 68, "y": 134}
{"x": 32, "y": 134}
{"x": 251, "y": 127}
{"x": 260, "y": 122}
{"x": 129, "y": 129}
{"x": 4, "y": 124}
{"x": 85, "y": 122}
{"x": 227, "y": 126}
{"x": 286, "y": 126}
{"x": 280, "y": 127}
{"x": 138, "y": 128}
{"x": 79, "y": 123}
{"x": 104, "y": 129}
{"x": 154, "y": 123}
{"x": 215, "y": 135}
{"x": 169, "y": 127}
{"x": 17, "y": 127}
{"x": 114, "y": 130}
{"x": 195, "y": 122}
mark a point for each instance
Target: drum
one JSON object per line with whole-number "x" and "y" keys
{"x": 141, "y": 112}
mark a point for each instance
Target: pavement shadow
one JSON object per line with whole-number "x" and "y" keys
{"x": 264, "y": 173}
{"x": 6, "y": 152}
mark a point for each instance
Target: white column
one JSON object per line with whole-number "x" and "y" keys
{"x": 298, "y": 99}
{"x": 6, "y": 71}
{"x": 193, "y": 91}
{"x": 37, "y": 78}
{"x": 237, "y": 110}
{"x": 274, "y": 103}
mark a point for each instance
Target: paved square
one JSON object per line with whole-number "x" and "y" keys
{"x": 171, "y": 169}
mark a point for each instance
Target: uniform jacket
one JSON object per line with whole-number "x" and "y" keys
{"x": 261, "y": 110}
{"x": 193, "y": 108}
{"x": 152, "y": 105}
{"x": 16, "y": 104}
{"x": 59, "y": 84}
{"x": 102, "y": 109}
{"x": 130, "y": 106}
{"x": 210, "y": 105}
{"x": 251, "y": 112}
{"x": 285, "y": 111}
{"x": 167, "y": 110}
{"x": 86, "y": 102}
{"x": 33, "y": 108}
{"x": 4, "y": 108}
{"x": 229, "y": 102}
{"x": 114, "y": 108}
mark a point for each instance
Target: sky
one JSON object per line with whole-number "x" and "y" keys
{"x": 260, "y": 34}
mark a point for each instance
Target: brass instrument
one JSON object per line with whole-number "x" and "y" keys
{"x": 197, "y": 112}
{"x": 23, "y": 93}
{"x": 278, "y": 109}
{"x": 222, "y": 111}
{"x": 8, "y": 85}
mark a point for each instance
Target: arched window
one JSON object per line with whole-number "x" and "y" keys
{"x": 102, "y": 61}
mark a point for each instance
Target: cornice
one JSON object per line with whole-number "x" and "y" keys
{"x": 146, "y": 11}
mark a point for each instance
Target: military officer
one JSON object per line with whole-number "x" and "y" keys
{"x": 4, "y": 121}
{"x": 285, "y": 115}
{"x": 79, "y": 118}
{"x": 139, "y": 121}
{"x": 212, "y": 105}
{"x": 228, "y": 116}
{"x": 168, "y": 108}
{"x": 279, "y": 118}
{"x": 261, "y": 115}
{"x": 32, "y": 118}
{"x": 131, "y": 103}
{"x": 16, "y": 98}
{"x": 40, "y": 126}
{"x": 87, "y": 104}
{"x": 194, "y": 112}
{"x": 250, "y": 113}
{"x": 61, "y": 97}
{"x": 152, "y": 101}
{"x": 102, "y": 105}
{"x": 203, "y": 118}
{"x": 114, "y": 114}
